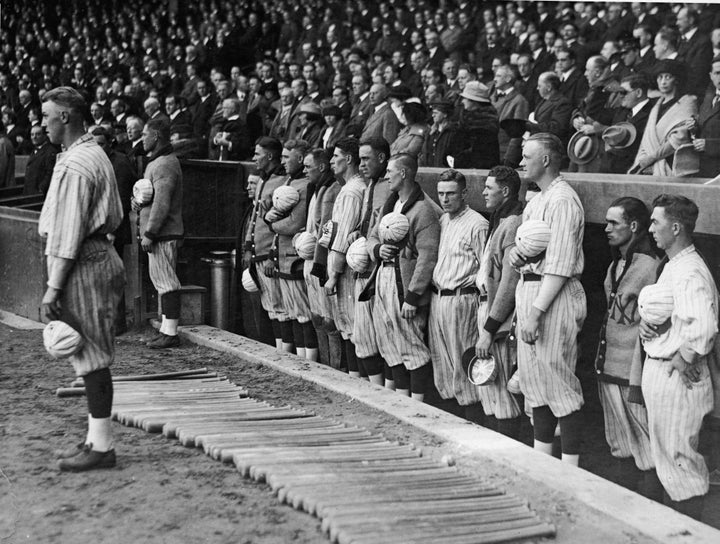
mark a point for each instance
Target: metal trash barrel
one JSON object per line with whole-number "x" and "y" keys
{"x": 220, "y": 275}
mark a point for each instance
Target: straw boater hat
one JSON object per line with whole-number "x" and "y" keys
{"x": 583, "y": 148}
{"x": 686, "y": 161}
{"x": 476, "y": 91}
{"x": 655, "y": 303}
{"x": 619, "y": 136}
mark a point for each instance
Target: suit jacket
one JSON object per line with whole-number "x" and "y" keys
{"x": 553, "y": 115}
{"x": 511, "y": 106}
{"x": 201, "y": 114}
{"x": 338, "y": 132}
{"x": 619, "y": 161}
{"x": 359, "y": 115}
{"x": 709, "y": 125}
{"x": 382, "y": 124}
{"x": 575, "y": 87}
{"x": 697, "y": 54}
{"x": 182, "y": 124}
{"x": 39, "y": 169}
{"x": 239, "y": 137}
{"x": 137, "y": 157}
{"x": 310, "y": 134}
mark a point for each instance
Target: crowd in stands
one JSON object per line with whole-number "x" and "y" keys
{"x": 628, "y": 87}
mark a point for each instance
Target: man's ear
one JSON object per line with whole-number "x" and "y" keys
{"x": 634, "y": 226}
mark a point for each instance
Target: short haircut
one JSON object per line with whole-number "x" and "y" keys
{"x": 637, "y": 81}
{"x": 351, "y": 147}
{"x": 633, "y": 209}
{"x": 301, "y": 146}
{"x": 670, "y": 35}
{"x": 550, "y": 143}
{"x": 570, "y": 52}
{"x": 67, "y": 97}
{"x": 270, "y": 144}
{"x": 407, "y": 161}
{"x": 320, "y": 156}
{"x": 161, "y": 126}
{"x": 680, "y": 209}
{"x": 453, "y": 175}
{"x": 599, "y": 62}
{"x": 102, "y": 131}
{"x": 506, "y": 177}
{"x": 378, "y": 145}
{"x": 552, "y": 79}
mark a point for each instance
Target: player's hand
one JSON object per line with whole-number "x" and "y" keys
{"x": 647, "y": 331}
{"x": 273, "y": 215}
{"x": 578, "y": 122}
{"x": 482, "y": 346}
{"x": 134, "y": 204}
{"x": 51, "y": 307}
{"x": 269, "y": 269}
{"x": 530, "y": 330}
{"x": 408, "y": 311}
{"x": 246, "y": 260}
{"x": 354, "y": 235}
{"x": 587, "y": 129}
{"x": 688, "y": 373}
{"x": 517, "y": 259}
{"x": 331, "y": 285}
{"x": 388, "y": 252}
{"x": 699, "y": 144}
{"x": 146, "y": 244}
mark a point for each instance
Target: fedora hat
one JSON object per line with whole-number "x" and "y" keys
{"x": 401, "y": 92}
{"x": 310, "y": 108}
{"x": 583, "y": 148}
{"x": 476, "y": 91}
{"x": 686, "y": 161}
{"x": 619, "y": 136}
{"x": 514, "y": 127}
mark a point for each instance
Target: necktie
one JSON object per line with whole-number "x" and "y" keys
{"x": 716, "y": 100}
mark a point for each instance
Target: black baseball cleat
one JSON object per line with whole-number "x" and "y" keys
{"x": 164, "y": 341}
{"x": 88, "y": 459}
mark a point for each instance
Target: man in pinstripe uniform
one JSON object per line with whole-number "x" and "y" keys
{"x": 452, "y": 322}
{"x": 403, "y": 275}
{"x": 374, "y": 154}
{"x": 550, "y": 302}
{"x": 160, "y": 227}
{"x": 634, "y": 266}
{"x": 85, "y": 273}
{"x": 259, "y": 237}
{"x": 676, "y": 382}
{"x": 346, "y": 216}
{"x": 497, "y": 280}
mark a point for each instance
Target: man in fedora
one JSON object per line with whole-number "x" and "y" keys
{"x": 310, "y": 123}
{"x": 479, "y": 127}
{"x": 583, "y": 152}
{"x": 707, "y": 140}
{"x": 621, "y": 140}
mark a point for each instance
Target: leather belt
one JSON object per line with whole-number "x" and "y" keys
{"x": 457, "y": 292}
{"x": 529, "y": 276}
{"x": 388, "y": 263}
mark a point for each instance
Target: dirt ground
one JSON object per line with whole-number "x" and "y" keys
{"x": 162, "y": 492}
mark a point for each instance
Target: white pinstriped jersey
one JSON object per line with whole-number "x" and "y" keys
{"x": 694, "y": 316}
{"x": 462, "y": 239}
{"x": 82, "y": 199}
{"x": 559, "y": 206}
{"x": 346, "y": 217}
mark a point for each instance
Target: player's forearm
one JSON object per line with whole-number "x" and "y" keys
{"x": 58, "y": 271}
{"x": 549, "y": 289}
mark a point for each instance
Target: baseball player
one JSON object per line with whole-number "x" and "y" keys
{"x": 676, "y": 382}
{"x": 497, "y": 281}
{"x": 550, "y": 302}
{"x": 259, "y": 237}
{"x": 452, "y": 322}
{"x": 403, "y": 276}
{"x": 346, "y": 216}
{"x": 160, "y": 227}
{"x": 634, "y": 265}
{"x": 374, "y": 154}
{"x": 325, "y": 191}
{"x": 298, "y": 329}
{"x": 85, "y": 274}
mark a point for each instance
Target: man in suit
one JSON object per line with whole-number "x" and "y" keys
{"x": 695, "y": 50}
{"x": 232, "y": 141}
{"x": 707, "y": 142}
{"x": 644, "y": 34}
{"x": 153, "y": 111}
{"x": 383, "y": 123}
{"x": 620, "y": 151}
{"x": 526, "y": 83}
{"x": 180, "y": 120}
{"x": 510, "y": 104}
{"x": 362, "y": 107}
{"x": 202, "y": 111}
{"x": 553, "y": 112}
{"x": 573, "y": 84}
{"x": 40, "y": 163}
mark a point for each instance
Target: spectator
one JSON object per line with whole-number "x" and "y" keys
{"x": 279, "y": 126}
{"x": 232, "y": 141}
{"x": 479, "y": 128}
{"x": 510, "y": 104}
{"x": 7, "y": 159}
{"x": 553, "y": 112}
{"x": 526, "y": 83}
{"x": 645, "y": 36}
{"x": 136, "y": 152}
{"x": 40, "y": 163}
{"x": 180, "y": 120}
{"x": 382, "y": 123}
{"x": 310, "y": 124}
{"x": 695, "y": 51}
{"x": 667, "y": 126}
{"x": 411, "y": 139}
{"x": 573, "y": 84}
{"x": 707, "y": 140}
{"x": 442, "y": 140}
{"x": 334, "y": 127}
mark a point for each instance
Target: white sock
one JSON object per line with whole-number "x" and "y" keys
{"x": 87, "y": 438}
{"x": 572, "y": 459}
{"x": 287, "y": 348}
{"x": 278, "y": 344}
{"x": 377, "y": 379}
{"x": 163, "y": 324}
{"x": 312, "y": 354}
{"x": 300, "y": 352}
{"x": 100, "y": 433}
{"x": 420, "y": 397}
{"x": 404, "y": 392}
{"x": 354, "y": 373}
{"x": 171, "y": 327}
{"x": 544, "y": 447}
